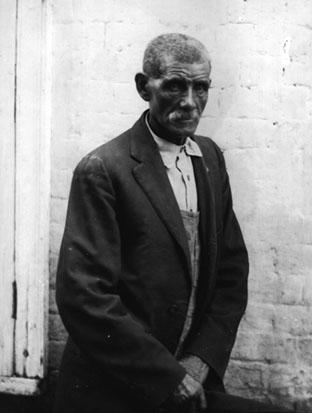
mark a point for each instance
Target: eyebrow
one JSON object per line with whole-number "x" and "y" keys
{"x": 179, "y": 78}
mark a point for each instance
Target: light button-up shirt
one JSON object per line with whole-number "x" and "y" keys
{"x": 179, "y": 167}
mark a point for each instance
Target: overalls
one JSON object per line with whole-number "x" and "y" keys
{"x": 190, "y": 220}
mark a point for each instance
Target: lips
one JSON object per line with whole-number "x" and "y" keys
{"x": 190, "y": 120}
{"x": 183, "y": 117}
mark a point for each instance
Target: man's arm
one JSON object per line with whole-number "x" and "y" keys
{"x": 87, "y": 292}
{"x": 215, "y": 337}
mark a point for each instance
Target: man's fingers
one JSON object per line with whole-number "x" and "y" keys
{"x": 195, "y": 367}
{"x": 190, "y": 390}
{"x": 191, "y": 386}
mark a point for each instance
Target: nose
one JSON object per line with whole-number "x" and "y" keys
{"x": 187, "y": 101}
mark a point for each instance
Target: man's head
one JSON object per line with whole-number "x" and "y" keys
{"x": 175, "y": 82}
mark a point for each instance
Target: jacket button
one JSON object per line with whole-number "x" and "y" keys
{"x": 173, "y": 309}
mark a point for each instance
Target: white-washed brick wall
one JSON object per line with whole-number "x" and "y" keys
{"x": 259, "y": 112}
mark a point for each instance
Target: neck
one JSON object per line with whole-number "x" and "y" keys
{"x": 162, "y": 133}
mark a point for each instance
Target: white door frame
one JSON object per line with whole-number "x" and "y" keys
{"x": 26, "y": 363}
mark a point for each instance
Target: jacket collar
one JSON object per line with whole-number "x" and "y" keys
{"x": 152, "y": 177}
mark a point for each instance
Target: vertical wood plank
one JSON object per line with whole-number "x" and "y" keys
{"x": 7, "y": 132}
{"x": 32, "y": 190}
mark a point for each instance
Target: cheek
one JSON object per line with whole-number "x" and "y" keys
{"x": 202, "y": 102}
{"x": 165, "y": 105}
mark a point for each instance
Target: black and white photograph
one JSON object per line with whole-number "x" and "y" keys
{"x": 156, "y": 206}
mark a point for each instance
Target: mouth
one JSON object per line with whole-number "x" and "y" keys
{"x": 184, "y": 118}
{"x": 187, "y": 120}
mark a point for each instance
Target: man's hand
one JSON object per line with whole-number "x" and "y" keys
{"x": 195, "y": 367}
{"x": 190, "y": 390}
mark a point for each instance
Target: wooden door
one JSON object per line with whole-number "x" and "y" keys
{"x": 24, "y": 198}
{"x": 7, "y": 184}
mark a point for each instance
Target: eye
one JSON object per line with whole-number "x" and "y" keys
{"x": 175, "y": 86}
{"x": 201, "y": 87}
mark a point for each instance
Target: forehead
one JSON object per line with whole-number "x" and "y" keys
{"x": 171, "y": 67}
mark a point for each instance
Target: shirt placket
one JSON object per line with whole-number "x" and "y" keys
{"x": 183, "y": 166}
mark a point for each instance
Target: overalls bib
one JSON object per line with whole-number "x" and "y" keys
{"x": 191, "y": 221}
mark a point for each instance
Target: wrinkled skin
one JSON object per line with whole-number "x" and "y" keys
{"x": 177, "y": 98}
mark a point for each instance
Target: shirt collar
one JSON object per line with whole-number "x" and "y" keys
{"x": 169, "y": 150}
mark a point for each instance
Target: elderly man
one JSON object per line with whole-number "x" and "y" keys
{"x": 152, "y": 276}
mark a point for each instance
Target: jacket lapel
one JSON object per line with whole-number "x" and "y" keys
{"x": 151, "y": 175}
{"x": 208, "y": 231}
{"x": 206, "y": 202}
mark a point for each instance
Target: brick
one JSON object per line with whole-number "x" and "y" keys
{"x": 56, "y": 234}
{"x": 296, "y": 73}
{"x": 53, "y": 266}
{"x": 260, "y": 38}
{"x": 52, "y": 302}
{"x": 261, "y": 347}
{"x": 307, "y": 289}
{"x": 248, "y": 380}
{"x": 108, "y": 127}
{"x": 296, "y": 102}
{"x": 259, "y": 318}
{"x": 293, "y": 320}
{"x": 59, "y": 205}
{"x": 250, "y": 102}
{"x": 305, "y": 351}
{"x": 301, "y": 41}
{"x": 241, "y": 133}
{"x": 282, "y": 380}
{"x": 57, "y": 330}
{"x": 262, "y": 70}
{"x": 125, "y": 95}
{"x": 55, "y": 353}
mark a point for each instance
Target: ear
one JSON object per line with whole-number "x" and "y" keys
{"x": 141, "y": 81}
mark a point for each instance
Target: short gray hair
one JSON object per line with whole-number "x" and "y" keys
{"x": 183, "y": 48}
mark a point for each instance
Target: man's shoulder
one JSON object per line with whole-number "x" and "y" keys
{"x": 105, "y": 156}
{"x": 114, "y": 147}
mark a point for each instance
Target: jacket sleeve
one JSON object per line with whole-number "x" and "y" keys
{"x": 216, "y": 335}
{"x": 87, "y": 292}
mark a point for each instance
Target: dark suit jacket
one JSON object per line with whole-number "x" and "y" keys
{"x": 124, "y": 279}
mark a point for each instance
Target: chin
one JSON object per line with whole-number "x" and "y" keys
{"x": 185, "y": 132}
{"x": 178, "y": 129}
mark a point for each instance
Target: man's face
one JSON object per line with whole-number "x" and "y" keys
{"x": 178, "y": 98}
